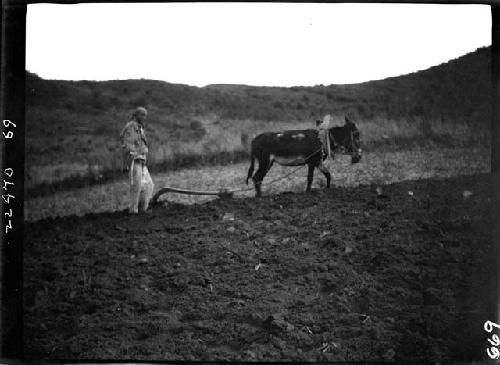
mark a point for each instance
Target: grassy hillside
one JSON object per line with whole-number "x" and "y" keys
{"x": 457, "y": 90}
{"x": 72, "y": 127}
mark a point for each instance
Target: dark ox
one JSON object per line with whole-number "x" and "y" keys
{"x": 301, "y": 147}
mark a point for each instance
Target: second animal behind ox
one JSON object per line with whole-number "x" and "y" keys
{"x": 300, "y": 147}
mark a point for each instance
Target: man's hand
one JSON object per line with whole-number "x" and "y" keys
{"x": 131, "y": 156}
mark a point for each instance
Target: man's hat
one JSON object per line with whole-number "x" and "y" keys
{"x": 140, "y": 110}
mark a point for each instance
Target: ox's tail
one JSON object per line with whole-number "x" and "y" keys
{"x": 252, "y": 165}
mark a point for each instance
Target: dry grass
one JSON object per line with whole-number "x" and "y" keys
{"x": 375, "y": 167}
{"x": 226, "y": 135}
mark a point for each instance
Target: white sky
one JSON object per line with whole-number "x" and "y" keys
{"x": 271, "y": 44}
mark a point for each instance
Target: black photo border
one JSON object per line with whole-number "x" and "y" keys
{"x": 12, "y": 107}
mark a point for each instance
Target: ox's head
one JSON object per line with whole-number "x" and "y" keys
{"x": 354, "y": 147}
{"x": 348, "y": 137}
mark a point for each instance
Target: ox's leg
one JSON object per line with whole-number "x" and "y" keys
{"x": 310, "y": 175}
{"x": 147, "y": 190}
{"x": 135, "y": 187}
{"x": 264, "y": 166}
{"x": 269, "y": 165}
{"x": 325, "y": 172}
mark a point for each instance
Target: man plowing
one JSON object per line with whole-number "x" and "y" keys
{"x": 135, "y": 151}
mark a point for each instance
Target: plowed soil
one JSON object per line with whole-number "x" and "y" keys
{"x": 344, "y": 274}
